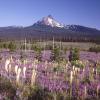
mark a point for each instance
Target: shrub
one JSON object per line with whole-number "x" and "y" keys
{"x": 55, "y": 53}
{"x": 6, "y": 86}
{"x": 11, "y": 46}
{"x": 74, "y": 54}
{"x": 40, "y": 94}
{"x": 94, "y": 49}
{"x": 77, "y": 63}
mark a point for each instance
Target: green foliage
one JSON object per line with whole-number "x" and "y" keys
{"x": 8, "y": 45}
{"x": 74, "y": 54}
{"x": 6, "y": 86}
{"x": 40, "y": 94}
{"x": 86, "y": 80}
{"x": 24, "y": 47}
{"x": 98, "y": 69}
{"x": 65, "y": 49}
{"x": 94, "y": 49}
{"x": 11, "y": 46}
{"x": 36, "y": 48}
{"x": 60, "y": 96}
{"x": 5, "y": 45}
{"x": 55, "y": 69}
{"x": 55, "y": 53}
{"x": 58, "y": 69}
{"x": 77, "y": 63}
{"x": 48, "y": 47}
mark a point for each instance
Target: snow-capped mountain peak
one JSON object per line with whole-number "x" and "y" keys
{"x": 50, "y": 21}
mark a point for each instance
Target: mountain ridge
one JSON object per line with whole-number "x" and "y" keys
{"x": 47, "y": 28}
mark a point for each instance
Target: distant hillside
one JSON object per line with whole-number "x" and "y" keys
{"x": 47, "y": 28}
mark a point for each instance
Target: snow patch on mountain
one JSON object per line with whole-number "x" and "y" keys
{"x": 50, "y": 21}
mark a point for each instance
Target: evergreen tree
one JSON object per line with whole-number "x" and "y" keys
{"x": 74, "y": 54}
{"x": 11, "y": 46}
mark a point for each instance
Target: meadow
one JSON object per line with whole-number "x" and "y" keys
{"x": 49, "y": 71}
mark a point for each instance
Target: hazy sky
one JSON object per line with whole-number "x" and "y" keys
{"x": 26, "y": 12}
